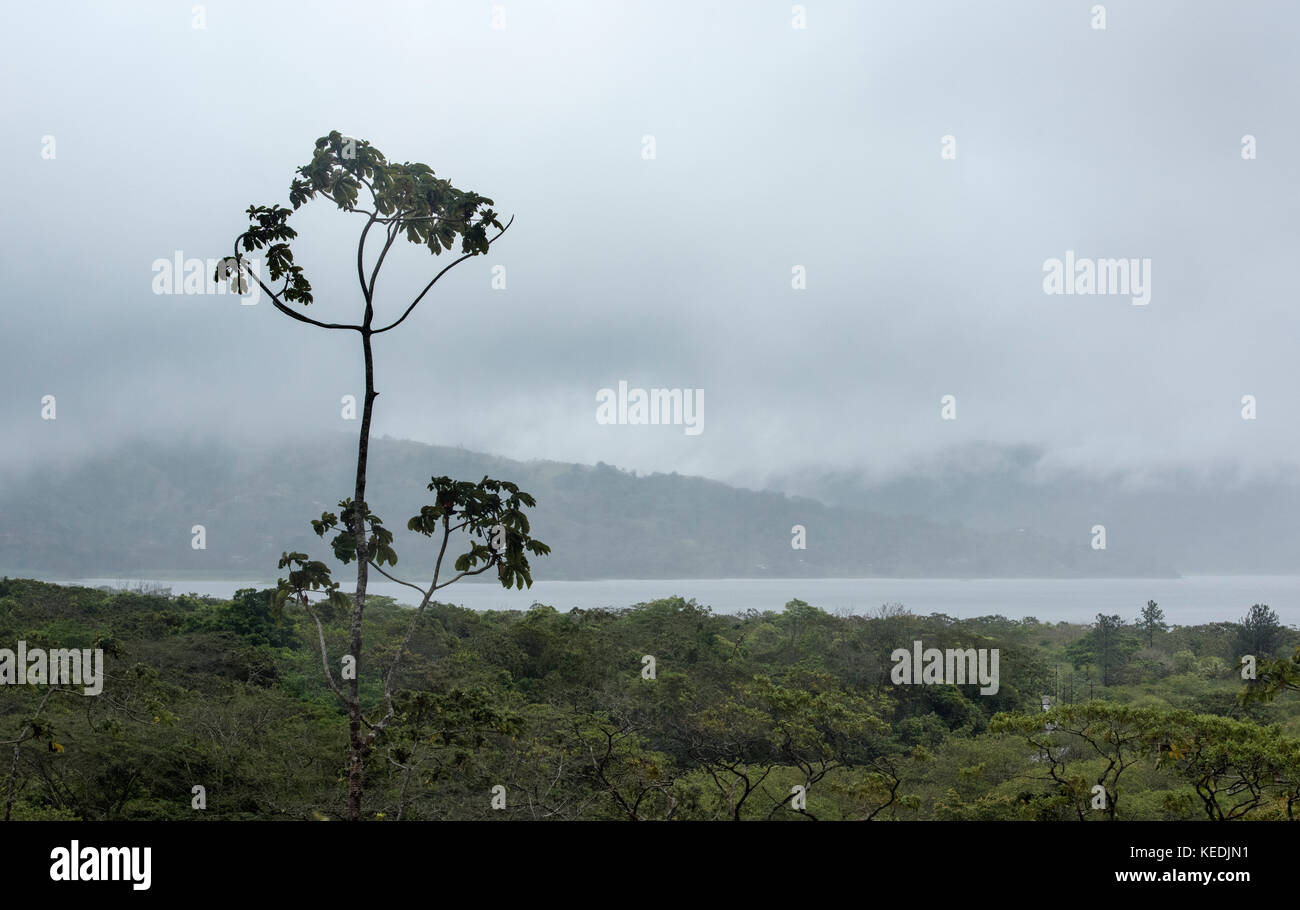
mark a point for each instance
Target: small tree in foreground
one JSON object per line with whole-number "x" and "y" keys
{"x": 404, "y": 200}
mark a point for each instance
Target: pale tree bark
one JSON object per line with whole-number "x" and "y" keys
{"x": 27, "y": 733}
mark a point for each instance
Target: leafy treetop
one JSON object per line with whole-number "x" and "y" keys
{"x": 405, "y": 198}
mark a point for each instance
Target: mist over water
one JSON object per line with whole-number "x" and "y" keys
{"x": 1186, "y": 601}
{"x": 924, "y": 274}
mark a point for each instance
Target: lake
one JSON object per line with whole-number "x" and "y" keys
{"x": 1186, "y": 601}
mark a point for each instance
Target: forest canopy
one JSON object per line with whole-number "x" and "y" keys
{"x": 661, "y": 710}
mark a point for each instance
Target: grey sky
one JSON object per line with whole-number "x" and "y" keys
{"x": 774, "y": 147}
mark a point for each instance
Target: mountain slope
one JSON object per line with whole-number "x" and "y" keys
{"x": 130, "y": 511}
{"x": 1218, "y": 521}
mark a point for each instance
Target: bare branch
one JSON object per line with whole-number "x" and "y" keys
{"x": 463, "y": 575}
{"x": 275, "y": 299}
{"x": 324, "y": 658}
{"x": 361, "y": 267}
{"x": 449, "y": 267}
{"x": 388, "y": 245}
{"x": 392, "y": 578}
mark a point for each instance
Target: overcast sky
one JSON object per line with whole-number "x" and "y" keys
{"x": 774, "y": 147}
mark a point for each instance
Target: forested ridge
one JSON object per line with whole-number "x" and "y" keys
{"x": 129, "y": 511}
{"x": 549, "y": 714}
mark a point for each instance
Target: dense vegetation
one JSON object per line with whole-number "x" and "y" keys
{"x": 554, "y": 708}
{"x": 128, "y": 512}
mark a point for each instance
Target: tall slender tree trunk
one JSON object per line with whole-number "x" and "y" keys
{"x": 358, "y": 740}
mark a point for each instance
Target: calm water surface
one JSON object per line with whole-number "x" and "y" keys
{"x": 1185, "y": 601}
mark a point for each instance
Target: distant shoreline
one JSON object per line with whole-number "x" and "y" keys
{"x": 227, "y": 578}
{"x": 1186, "y": 600}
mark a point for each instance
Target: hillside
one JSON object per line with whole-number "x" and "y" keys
{"x": 129, "y": 511}
{"x": 1221, "y": 520}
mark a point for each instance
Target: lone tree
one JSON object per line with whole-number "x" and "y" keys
{"x": 404, "y": 199}
{"x": 1107, "y": 645}
{"x": 1259, "y": 632}
{"x": 1152, "y": 621}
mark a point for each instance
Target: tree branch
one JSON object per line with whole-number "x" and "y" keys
{"x": 361, "y": 266}
{"x": 449, "y": 267}
{"x": 388, "y": 245}
{"x": 324, "y": 658}
{"x": 381, "y": 571}
{"x": 275, "y": 299}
